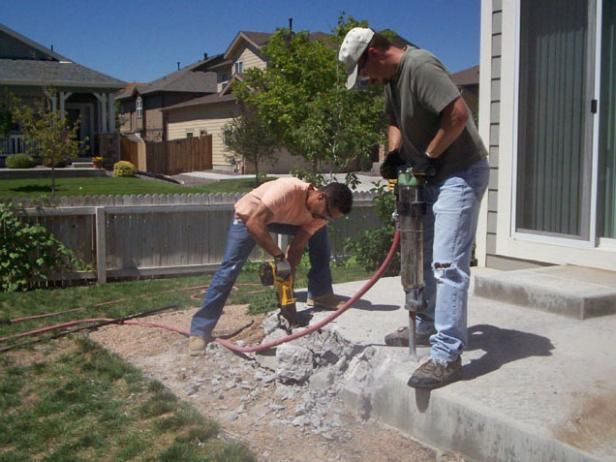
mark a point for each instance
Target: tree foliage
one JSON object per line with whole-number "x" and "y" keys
{"x": 251, "y": 139}
{"x": 48, "y": 135}
{"x": 301, "y": 97}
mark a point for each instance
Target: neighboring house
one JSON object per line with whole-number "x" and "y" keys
{"x": 548, "y": 112}
{"x": 209, "y": 114}
{"x": 141, "y": 105}
{"x": 34, "y": 73}
{"x": 467, "y": 81}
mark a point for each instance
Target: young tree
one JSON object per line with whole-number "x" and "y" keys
{"x": 48, "y": 135}
{"x": 247, "y": 137}
{"x": 301, "y": 97}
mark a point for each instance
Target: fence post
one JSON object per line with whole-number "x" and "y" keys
{"x": 101, "y": 247}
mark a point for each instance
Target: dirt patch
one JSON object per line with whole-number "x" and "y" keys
{"x": 279, "y": 422}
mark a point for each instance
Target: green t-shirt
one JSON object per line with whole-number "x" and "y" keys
{"x": 414, "y": 98}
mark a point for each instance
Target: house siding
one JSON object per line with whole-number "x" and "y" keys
{"x": 250, "y": 59}
{"x": 212, "y": 119}
{"x": 494, "y": 126}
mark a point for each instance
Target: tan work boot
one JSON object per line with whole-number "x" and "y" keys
{"x": 325, "y": 302}
{"x": 196, "y": 345}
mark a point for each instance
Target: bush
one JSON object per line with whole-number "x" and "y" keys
{"x": 123, "y": 168}
{"x": 28, "y": 252}
{"x": 371, "y": 248}
{"x": 20, "y": 161}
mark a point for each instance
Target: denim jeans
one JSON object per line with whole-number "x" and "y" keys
{"x": 450, "y": 223}
{"x": 239, "y": 245}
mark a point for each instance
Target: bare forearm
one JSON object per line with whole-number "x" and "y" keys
{"x": 452, "y": 123}
{"x": 394, "y": 138}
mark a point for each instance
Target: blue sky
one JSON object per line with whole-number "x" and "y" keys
{"x": 142, "y": 40}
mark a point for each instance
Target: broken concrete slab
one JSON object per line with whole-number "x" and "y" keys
{"x": 537, "y": 386}
{"x": 569, "y": 290}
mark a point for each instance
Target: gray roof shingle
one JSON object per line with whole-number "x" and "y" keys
{"x": 53, "y": 73}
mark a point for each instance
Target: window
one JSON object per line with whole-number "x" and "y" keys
{"x": 139, "y": 107}
{"x": 239, "y": 67}
{"x": 607, "y": 127}
{"x": 553, "y": 170}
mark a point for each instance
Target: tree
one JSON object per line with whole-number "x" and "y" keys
{"x": 248, "y": 137}
{"x": 301, "y": 97}
{"x": 49, "y": 136}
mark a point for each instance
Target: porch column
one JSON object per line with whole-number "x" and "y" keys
{"x": 52, "y": 98}
{"x": 102, "y": 111}
{"x": 112, "y": 124}
{"x": 64, "y": 95}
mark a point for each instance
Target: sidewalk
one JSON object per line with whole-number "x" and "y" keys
{"x": 537, "y": 386}
{"x": 366, "y": 181}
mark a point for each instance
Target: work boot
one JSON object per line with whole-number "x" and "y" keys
{"x": 432, "y": 374}
{"x": 400, "y": 337}
{"x": 197, "y": 344}
{"x": 329, "y": 302}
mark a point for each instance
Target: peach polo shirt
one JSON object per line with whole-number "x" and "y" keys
{"x": 286, "y": 199}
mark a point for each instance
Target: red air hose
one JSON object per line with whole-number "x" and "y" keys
{"x": 227, "y": 344}
{"x": 375, "y": 277}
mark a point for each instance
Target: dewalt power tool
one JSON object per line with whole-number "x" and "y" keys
{"x": 278, "y": 274}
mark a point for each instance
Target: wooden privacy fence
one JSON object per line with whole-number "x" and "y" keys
{"x": 145, "y": 238}
{"x": 171, "y": 157}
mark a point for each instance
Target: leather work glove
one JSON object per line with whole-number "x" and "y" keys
{"x": 393, "y": 161}
{"x": 424, "y": 166}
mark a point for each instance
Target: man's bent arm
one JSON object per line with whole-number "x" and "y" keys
{"x": 453, "y": 121}
{"x": 257, "y": 227}
{"x": 394, "y": 137}
{"x": 296, "y": 247}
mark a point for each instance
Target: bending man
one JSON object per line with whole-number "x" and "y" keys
{"x": 288, "y": 206}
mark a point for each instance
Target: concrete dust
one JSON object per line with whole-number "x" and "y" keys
{"x": 284, "y": 407}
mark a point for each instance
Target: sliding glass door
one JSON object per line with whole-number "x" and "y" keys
{"x": 554, "y": 161}
{"x": 607, "y": 124}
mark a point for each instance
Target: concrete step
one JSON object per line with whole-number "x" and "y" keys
{"x": 536, "y": 386}
{"x": 567, "y": 290}
{"x": 81, "y": 164}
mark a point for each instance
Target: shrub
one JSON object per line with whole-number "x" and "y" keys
{"x": 372, "y": 246}
{"x": 123, "y": 168}
{"x": 20, "y": 161}
{"x": 28, "y": 252}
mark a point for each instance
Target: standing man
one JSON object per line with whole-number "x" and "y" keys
{"x": 431, "y": 130}
{"x": 288, "y": 206}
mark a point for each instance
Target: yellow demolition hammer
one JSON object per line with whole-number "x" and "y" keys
{"x": 278, "y": 274}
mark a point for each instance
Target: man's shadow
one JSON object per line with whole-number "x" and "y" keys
{"x": 361, "y": 304}
{"x": 501, "y": 346}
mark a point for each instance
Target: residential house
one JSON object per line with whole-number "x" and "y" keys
{"x": 36, "y": 74}
{"x": 141, "y": 105}
{"x": 210, "y": 113}
{"x": 548, "y": 113}
{"x": 467, "y": 81}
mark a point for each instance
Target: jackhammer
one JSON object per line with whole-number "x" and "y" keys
{"x": 410, "y": 210}
{"x": 278, "y": 274}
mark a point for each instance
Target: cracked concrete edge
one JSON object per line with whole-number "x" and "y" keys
{"x": 450, "y": 423}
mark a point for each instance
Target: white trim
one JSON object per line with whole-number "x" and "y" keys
{"x": 594, "y": 192}
{"x": 523, "y": 246}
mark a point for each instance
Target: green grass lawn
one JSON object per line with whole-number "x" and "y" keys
{"x": 70, "y": 400}
{"x": 40, "y": 188}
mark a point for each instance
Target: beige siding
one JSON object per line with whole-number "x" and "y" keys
{"x": 250, "y": 59}
{"x": 212, "y": 119}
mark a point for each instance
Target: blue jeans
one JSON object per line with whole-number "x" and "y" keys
{"x": 239, "y": 245}
{"x": 450, "y": 223}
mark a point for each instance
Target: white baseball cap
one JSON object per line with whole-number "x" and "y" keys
{"x": 353, "y": 46}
